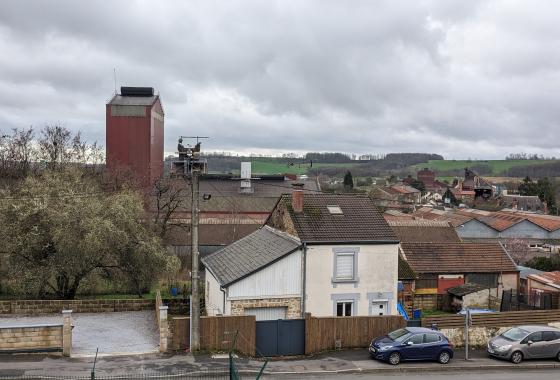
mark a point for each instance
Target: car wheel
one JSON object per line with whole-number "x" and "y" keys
{"x": 395, "y": 358}
{"x": 444, "y": 357}
{"x": 558, "y": 356}
{"x": 516, "y": 357}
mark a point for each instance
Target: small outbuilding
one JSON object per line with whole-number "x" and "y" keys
{"x": 469, "y": 295}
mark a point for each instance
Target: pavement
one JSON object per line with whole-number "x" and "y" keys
{"x": 331, "y": 363}
{"x": 131, "y": 332}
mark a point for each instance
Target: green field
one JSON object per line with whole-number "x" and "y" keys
{"x": 268, "y": 167}
{"x": 499, "y": 167}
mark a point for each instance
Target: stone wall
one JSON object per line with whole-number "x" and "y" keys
{"x": 77, "y": 306}
{"x": 26, "y": 338}
{"x": 478, "y": 336}
{"x": 293, "y": 304}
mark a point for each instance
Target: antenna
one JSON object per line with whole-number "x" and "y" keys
{"x": 115, "y": 79}
{"x": 194, "y": 137}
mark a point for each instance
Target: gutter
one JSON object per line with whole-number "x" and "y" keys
{"x": 303, "y": 287}
{"x": 352, "y": 242}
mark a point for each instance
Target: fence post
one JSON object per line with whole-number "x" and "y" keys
{"x": 163, "y": 328}
{"x": 66, "y": 332}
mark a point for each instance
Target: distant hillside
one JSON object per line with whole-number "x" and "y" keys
{"x": 505, "y": 168}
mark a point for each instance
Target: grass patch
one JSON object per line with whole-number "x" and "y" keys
{"x": 270, "y": 167}
{"x": 498, "y": 167}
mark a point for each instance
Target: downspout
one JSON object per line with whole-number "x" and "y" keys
{"x": 224, "y": 301}
{"x": 303, "y": 287}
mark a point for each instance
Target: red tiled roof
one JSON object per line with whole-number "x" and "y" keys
{"x": 457, "y": 258}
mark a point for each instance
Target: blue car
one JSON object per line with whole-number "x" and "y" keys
{"x": 412, "y": 343}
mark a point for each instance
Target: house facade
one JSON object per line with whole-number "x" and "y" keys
{"x": 350, "y": 253}
{"x": 258, "y": 275}
{"x": 328, "y": 255}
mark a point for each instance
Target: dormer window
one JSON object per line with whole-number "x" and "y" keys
{"x": 334, "y": 210}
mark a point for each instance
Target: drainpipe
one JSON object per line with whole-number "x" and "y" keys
{"x": 224, "y": 301}
{"x": 303, "y": 287}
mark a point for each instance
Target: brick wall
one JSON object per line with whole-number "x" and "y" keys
{"x": 77, "y": 306}
{"x": 24, "y": 338}
{"x": 293, "y": 304}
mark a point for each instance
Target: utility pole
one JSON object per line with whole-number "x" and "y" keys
{"x": 195, "y": 316}
{"x": 191, "y": 165}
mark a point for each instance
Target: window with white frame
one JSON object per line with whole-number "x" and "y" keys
{"x": 344, "y": 269}
{"x": 344, "y": 308}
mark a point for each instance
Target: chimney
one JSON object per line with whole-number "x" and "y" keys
{"x": 545, "y": 207}
{"x": 297, "y": 197}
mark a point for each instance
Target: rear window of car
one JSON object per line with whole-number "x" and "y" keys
{"x": 432, "y": 338}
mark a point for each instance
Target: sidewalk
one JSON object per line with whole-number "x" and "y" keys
{"x": 347, "y": 361}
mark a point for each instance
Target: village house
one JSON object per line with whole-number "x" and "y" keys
{"x": 544, "y": 289}
{"x": 441, "y": 266}
{"x": 399, "y": 197}
{"x": 230, "y": 209}
{"x": 324, "y": 254}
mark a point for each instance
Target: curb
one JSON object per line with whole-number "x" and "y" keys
{"x": 415, "y": 369}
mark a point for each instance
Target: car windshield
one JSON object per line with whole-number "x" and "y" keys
{"x": 399, "y": 335}
{"x": 515, "y": 334}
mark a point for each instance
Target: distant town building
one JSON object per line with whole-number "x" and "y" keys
{"x": 134, "y": 134}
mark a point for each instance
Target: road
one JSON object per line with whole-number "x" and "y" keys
{"x": 547, "y": 374}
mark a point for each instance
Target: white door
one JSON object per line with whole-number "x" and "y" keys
{"x": 379, "y": 308}
{"x": 267, "y": 313}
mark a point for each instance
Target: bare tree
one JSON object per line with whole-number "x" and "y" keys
{"x": 168, "y": 197}
{"x": 17, "y": 154}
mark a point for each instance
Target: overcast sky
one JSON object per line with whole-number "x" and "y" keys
{"x": 476, "y": 79}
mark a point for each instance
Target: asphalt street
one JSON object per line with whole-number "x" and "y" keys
{"x": 549, "y": 374}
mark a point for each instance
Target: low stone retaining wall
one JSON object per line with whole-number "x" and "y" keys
{"x": 26, "y": 338}
{"x": 40, "y": 337}
{"x": 478, "y": 336}
{"x": 77, "y": 306}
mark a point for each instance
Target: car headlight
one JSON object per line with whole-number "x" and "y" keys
{"x": 504, "y": 348}
{"x": 384, "y": 348}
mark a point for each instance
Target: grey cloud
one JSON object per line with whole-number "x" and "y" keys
{"x": 465, "y": 79}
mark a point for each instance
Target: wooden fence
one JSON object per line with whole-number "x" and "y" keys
{"x": 329, "y": 333}
{"x": 216, "y": 333}
{"x": 510, "y": 318}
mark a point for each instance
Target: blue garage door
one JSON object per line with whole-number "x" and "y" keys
{"x": 281, "y": 337}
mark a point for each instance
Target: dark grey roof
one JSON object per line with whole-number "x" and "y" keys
{"x": 360, "y": 220}
{"x": 246, "y": 256}
{"x": 119, "y": 100}
{"x": 525, "y": 271}
{"x": 464, "y": 289}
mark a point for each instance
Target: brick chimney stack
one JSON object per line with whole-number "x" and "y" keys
{"x": 297, "y": 197}
{"x": 545, "y": 207}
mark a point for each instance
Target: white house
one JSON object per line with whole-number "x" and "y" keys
{"x": 324, "y": 254}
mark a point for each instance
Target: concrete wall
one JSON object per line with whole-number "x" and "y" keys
{"x": 475, "y": 229}
{"x": 525, "y": 229}
{"x": 213, "y": 296}
{"x": 77, "y": 306}
{"x": 377, "y": 272}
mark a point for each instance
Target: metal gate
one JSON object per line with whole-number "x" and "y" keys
{"x": 281, "y": 337}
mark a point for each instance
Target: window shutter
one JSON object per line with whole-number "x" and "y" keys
{"x": 345, "y": 266}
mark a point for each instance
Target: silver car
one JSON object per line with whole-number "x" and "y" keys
{"x": 526, "y": 342}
